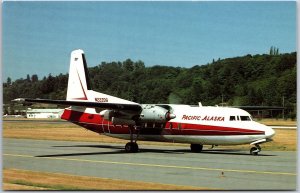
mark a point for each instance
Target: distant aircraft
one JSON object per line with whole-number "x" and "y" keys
{"x": 119, "y": 118}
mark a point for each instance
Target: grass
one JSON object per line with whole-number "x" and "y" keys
{"x": 11, "y": 186}
{"x": 16, "y": 179}
{"x": 281, "y": 122}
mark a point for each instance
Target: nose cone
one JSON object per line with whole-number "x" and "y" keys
{"x": 269, "y": 132}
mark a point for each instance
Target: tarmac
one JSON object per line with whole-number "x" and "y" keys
{"x": 225, "y": 169}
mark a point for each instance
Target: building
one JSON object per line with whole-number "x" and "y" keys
{"x": 44, "y": 113}
{"x": 264, "y": 111}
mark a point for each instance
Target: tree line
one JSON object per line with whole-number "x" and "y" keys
{"x": 260, "y": 80}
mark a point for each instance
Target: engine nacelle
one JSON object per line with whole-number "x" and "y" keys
{"x": 107, "y": 114}
{"x": 155, "y": 114}
{"x": 150, "y": 114}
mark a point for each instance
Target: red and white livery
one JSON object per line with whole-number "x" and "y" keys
{"x": 119, "y": 118}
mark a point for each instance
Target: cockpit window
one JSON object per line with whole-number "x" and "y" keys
{"x": 245, "y": 118}
{"x": 232, "y": 118}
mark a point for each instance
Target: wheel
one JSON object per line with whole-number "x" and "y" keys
{"x": 135, "y": 147}
{"x": 196, "y": 148}
{"x": 254, "y": 151}
{"x": 128, "y": 147}
{"x": 131, "y": 147}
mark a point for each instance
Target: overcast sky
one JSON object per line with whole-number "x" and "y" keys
{"x": 38, "y": 37}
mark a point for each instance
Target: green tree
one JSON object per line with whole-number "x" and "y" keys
{"x": 28, "y": 78}
{"x": 128, "y": 65}
{"x": 8, "y": 81}
{"x": 34, "y": 78}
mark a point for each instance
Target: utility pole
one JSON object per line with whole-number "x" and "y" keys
{"x": 283, "y": 107}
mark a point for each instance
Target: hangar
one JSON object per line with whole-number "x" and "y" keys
{"x": 43, "y": 113}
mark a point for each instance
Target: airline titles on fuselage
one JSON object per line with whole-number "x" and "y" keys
{"x": 202, "y": 118}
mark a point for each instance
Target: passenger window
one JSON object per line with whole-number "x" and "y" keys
{"x": 237, "y": 118}
{"x": 232, "y": 118}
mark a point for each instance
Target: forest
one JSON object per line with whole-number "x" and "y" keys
{"x": 255, "y": 80}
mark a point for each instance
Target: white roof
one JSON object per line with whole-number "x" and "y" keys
{"x": 44, "y": 110}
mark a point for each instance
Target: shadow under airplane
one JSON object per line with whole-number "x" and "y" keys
{"x": 120, "y": 150}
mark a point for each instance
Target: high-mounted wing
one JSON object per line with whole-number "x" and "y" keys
{"x": 115, "y": 106}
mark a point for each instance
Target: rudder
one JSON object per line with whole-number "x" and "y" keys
{"x": 78, "y": 83}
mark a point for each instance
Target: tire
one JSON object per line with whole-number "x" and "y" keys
{"x": 197, "y": 148}
{"x": 254, "y": 151}
{"x": 135, "y": 147}
{"x": 131, "y": 147}
{"x": 128, "y": 147}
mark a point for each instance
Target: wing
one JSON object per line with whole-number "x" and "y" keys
{"x": 114, "y": 106}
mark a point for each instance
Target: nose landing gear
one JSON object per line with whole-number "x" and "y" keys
{"x": 255, "y": 150}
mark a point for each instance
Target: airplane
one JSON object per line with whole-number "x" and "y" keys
{"x": 119, "y": 118}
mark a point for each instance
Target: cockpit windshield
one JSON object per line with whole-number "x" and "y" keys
{"x": 245, "y": 118}
{"x": 240, "y": 118}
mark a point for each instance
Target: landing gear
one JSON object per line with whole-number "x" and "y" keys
{"x": 196, "y": 148}
{"x": 212, "y": 146}
{"x": 255, "y": 150}
{"x": 132, "y": 146}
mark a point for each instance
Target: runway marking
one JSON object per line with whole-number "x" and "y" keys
{"x": 155, "y": 165}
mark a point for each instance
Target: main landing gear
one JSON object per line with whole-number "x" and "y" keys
{"x": 197, "y": 148}
{"x": 255, "y": 150}
{"x": 132, "y": 146}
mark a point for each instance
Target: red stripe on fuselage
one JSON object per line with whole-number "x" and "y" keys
{"x": 93, "y": 122}
{"x": 96, "y": 123}
{"x": 197, "y": 129}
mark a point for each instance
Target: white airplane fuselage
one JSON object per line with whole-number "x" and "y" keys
{"x": 199, "y": 125}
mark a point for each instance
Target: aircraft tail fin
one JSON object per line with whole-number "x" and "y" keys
{"x": 78, "y": 83}
{"x": 79, "y": 87}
